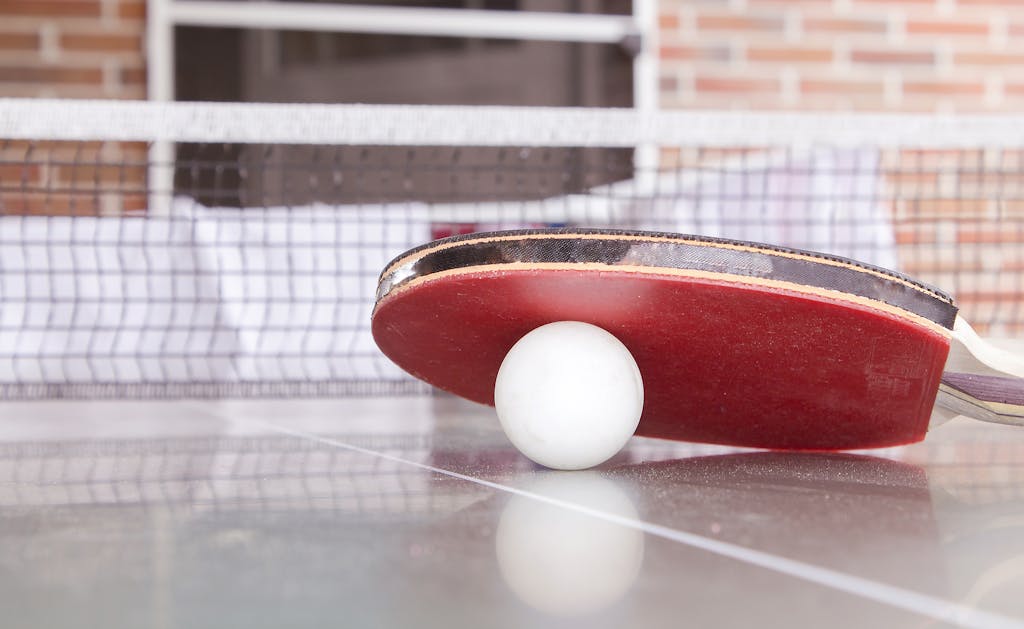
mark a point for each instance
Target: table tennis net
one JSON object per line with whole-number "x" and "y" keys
{"x": 177, "y": 250}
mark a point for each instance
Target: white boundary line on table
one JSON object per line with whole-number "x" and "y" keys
{"x": 893, "y": 596}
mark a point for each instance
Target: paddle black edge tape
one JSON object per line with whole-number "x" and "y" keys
{"x": 672, "y": 251}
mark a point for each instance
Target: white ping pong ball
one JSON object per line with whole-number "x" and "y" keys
{"x": 569, "y": 395}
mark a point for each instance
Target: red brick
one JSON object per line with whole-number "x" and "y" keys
{"x": 739, "y": 23}
{"x": 51, "y": 8}
{"x": 910, "y": 234}
{"x": 889, "y": 57}
{"x": 130, "y": 175}
{"x": 819, "y": 86}
{"x": 133, "y": 76}
{"x": 988, "y": 235}
{"x": 989, "y": 182}
{"x": 17, "y": 173}
{"x": 969, "y": 298}
{"x": 129, "y": 10}
{"x": 735, "y": 85}
{"x": 669, "y": 158}
{"x": 51, "y": 74}
{"x": 709, "y": 53}
{"x": 933, "y": 160}
{"x": 910, "y": 180}
{"x": 987, "y": 58}
{"x": 711, "y": 157}
{"x": 668, "y": 21}
{"x": 937, "y": 27}
{"x": 799, "y": 55}
{"x": 947, "y": 209}
{"x": 134, "y": 203}
{"x": 19, "y": 41}
{"x": 918, "y": 105}
{"x": 939, "y": 88}
{"x": 133, "y": 151}
{"x": 841, "y": 25}
{"x": 82, "y": 42}
{"x": 50, "y": 204}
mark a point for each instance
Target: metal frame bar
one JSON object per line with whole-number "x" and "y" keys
{"x": 164, "y": 15}
{"x": 405, "y": 21}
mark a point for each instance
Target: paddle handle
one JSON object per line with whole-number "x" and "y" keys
{"x": 980, "y": 380}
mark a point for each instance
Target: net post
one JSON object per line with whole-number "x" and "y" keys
{"x": 160, "y": 86}
{"x": 645, "y": 87}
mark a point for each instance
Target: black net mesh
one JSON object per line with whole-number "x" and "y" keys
{"x": 178, "y": 269}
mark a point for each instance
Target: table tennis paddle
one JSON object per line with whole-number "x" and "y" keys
{"x": 738, "y": 343}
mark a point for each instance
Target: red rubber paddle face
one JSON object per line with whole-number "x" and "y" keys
{"x": 726, "y": 362}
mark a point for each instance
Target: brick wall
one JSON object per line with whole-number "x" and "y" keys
{"x": 959, "y": 224}
{"x": 958, "y": 215}
{"x": 910, "y": 55}
{"x": 72, "y": 48}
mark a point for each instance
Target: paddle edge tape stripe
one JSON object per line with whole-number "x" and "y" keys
{"x": 644, "y": 236}
{"x": 612, "y": 250}
{"x": 722, "y": 278}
